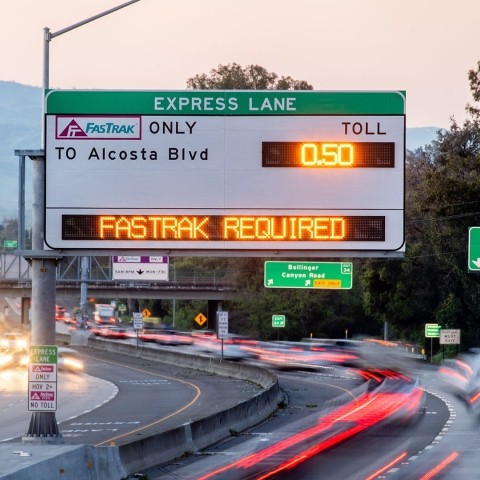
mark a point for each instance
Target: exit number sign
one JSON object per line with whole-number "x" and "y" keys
{"x": 320, "y": 275}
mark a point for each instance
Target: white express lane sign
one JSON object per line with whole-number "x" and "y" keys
{"x": 301, "y": 171}
{"x": 42, "y": 378}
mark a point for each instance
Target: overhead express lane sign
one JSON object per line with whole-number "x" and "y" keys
{"x": 325, "y": 275}
{"x": 214, "y": 171}
{"x": 474, "y": 249}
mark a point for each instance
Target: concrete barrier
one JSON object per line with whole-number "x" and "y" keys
{"x": 55, "y": 462}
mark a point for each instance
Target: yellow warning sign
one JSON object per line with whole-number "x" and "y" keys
{"x": 200, "y": 319}
{"x": 146, "y": 313}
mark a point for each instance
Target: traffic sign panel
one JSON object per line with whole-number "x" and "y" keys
{"x": 450, "y": 336}
{"x": 432, "y": 330}
{"x": 327, "y": 275}
{"x": 42, "y": 378}
{"x": 278, "y": 321}
{"x": 222, "y": 325}
{"x": 339, "y": 152}
{"x": 200, "y": 318}
{"x": 474, "y": 249}
{"x": 144, "y": 268}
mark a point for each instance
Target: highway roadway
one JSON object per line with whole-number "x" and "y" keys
{"x": 442, "y": 442}
{"x": 121, "y": 399}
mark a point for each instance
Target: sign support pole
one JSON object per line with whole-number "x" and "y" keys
{"x": 43, "y": 426}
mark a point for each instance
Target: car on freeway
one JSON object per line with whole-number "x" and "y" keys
{"x": 165, "y": 336}
{"x": 13, "y": 349}
{"x": 13, "y": 341}
{"x": 110, "y": 331}
{"x": 69, "y": 360}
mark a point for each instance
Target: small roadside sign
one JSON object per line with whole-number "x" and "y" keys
{"x": 278, "y": 321}
{"x": 137, "y": 320}
{"x": 222, "y": 325}
{"x": 200, "y": 319}
{"x": 42, "y": 378}
{"x": 432, "y": 330}
{"x": 450, "y": 336}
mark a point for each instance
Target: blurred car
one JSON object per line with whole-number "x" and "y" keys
{"x": 165, "y": 336}
{"x": 110, "y": 331}
{"x": 13, "y": 341}
{"x": 13, "y": 350}
{"x": 69, "y": 359}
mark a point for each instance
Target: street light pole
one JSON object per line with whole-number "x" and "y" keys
{"x": 43, "y": 426}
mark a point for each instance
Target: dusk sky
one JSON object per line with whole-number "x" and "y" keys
{"x": 425, "y": 47}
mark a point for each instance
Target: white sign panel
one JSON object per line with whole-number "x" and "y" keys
{"x": 140, "y": 268}
{"x": 226, "y": 171}
{"x": 222, "y": 325}
{"x": 450, "y": 336}
{"x": 42, "y": 378}
{"x": 137, "y": 320}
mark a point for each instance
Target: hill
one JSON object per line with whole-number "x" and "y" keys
{"x": 20, "y": 128}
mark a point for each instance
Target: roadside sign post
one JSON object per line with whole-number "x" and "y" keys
{"x": 449, "y": 337}
{"x": 137, "y": 322}
{"x": 42, "y": 378}
{"x": 222, "y": 326}
{"x": 432, "y": 330}
{"x": 278, "y": 321}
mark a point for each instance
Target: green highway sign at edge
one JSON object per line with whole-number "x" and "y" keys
{"x": 474, "y": 249}
{"x": 278, "y": 320}
{"x": 432, "y": 330}
{"x": 316, "y": 275}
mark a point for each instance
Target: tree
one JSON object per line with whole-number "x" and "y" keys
{"x": 251, "y": 77}
{"x": 432, "y": 284}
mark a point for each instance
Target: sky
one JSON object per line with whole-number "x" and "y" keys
{"x": 425, "y": 47}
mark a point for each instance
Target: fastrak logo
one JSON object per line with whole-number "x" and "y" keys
{"x": 98, "y": 127}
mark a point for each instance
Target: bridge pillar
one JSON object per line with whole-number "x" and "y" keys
{"x": 213, "y": 307}
{"x": 25, "y": 319}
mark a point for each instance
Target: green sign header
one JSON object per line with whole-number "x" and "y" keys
{"x": 43, "y": 354}
{"x": 326, "y": 275}
{"x": 228, "y": 102}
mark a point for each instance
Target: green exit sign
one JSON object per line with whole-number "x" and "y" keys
{"x": 10, "y": 243}
{"x": 278, "y": 321}
{"x": 326, "y": 275}
{"x": 432, "y": 330}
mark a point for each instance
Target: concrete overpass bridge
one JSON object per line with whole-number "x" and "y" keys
{"x": 215, "y": 286}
